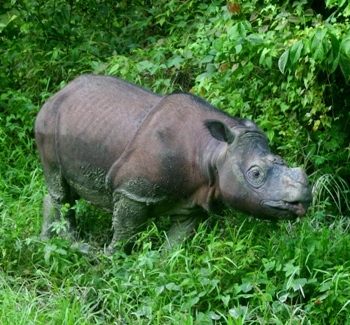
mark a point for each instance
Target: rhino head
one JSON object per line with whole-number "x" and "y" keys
{"x": 254, "y": 180}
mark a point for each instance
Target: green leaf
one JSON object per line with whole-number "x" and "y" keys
{"x": 172, "y": 287}
{"x": 175, "y": 61}
{"x": 269, "y": 265}
{"x": 298, "y": 284}
{"x": 316, "y": 45}
{"x": 238, "y": 48}
{"x": 226, "y": 299}
{"x": 290, "y": 269}
{"x": 218, "y": 44}
{"x": 61, "y": 251}
{"x": 207, "y": 59}
{"x": 333, "y": 58}
{"x": 344, "y": 63}
{"x": 159, "y": 290}
{"x": 345, "y": 46}
{"x": 255, "y": 40}
{"x": 114, "y": 69}
{"x": 330, "y": 2}
{"x": 48, "y": 250}
{"x": 346, "y": 11}
{"x": 246, "y": 287}
{"x": 144, "y": 65}
{"x": 325, "y": 286}
{"x": 214, "y": 315}
{"x": 320, "y": 33}
{"x": 282, "y": 62}
{"x": 294, "y": 19}
{"x": 64, "y": 13}
{"x": 188, "y": 54}
{"x": 294, "y": 53}
{"x": 239, "y": 30}
{"x": 270, "y": 134}
{"x": 308, "y": 13}
{"x": 5, "y": 20}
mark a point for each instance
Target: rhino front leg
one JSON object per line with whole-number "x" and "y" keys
{"x": 181, "y": 228}
{"x": 129, "y": 218}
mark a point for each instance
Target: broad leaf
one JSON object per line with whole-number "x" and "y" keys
{"x": 207, "y": 59}
{"x": 255, "y": 39}
{"x": 320, "y": 33}
{"x": 175, "y": 61}
{"x": 294, "y": 52}
{"x": 345, "y": 46}
{"x": 344, "y": 63}
{"x": 282, "y": 62}
{"x": 317, "y": 48}
{"x": 246, "y": 287}
{"x": 344, "y": 58}
{"x": 333, "y": 58}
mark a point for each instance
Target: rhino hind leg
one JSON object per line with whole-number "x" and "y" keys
{"x": 129, "y": 218}
{"x": 181, "y": 228}
{"x": 49, "y": 216}
{"x": 60, "y": 193}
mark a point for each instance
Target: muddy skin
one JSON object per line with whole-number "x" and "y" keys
{"x": 138, "y": 155}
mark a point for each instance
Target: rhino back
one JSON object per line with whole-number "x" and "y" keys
{"x": 86, "y": 126}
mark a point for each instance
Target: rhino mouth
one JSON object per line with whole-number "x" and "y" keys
{"x": 284, "y": 209}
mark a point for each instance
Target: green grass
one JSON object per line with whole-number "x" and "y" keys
{"x": 235, "y": 270}
{"x": 240, "y": 271}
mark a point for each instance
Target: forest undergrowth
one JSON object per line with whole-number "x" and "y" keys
{"x": 283, "y": 64}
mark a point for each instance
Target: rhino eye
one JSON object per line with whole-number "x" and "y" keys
{"x": 255, "y": 173}
{"x": 256, "y": 176}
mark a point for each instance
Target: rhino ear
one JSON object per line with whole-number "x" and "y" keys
{"x": 219, "y": 131}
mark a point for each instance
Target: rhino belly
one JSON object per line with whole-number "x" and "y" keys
{"x": 84, "y": 165}
{"x": 89, "y": 183}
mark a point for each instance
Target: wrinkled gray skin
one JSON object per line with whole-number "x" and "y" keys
{"x": 138, "y": 155}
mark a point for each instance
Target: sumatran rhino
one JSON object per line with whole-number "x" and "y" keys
{"x": 137, "y": 155}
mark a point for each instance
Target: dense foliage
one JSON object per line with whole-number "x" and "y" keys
{"x": 284, "y": 64}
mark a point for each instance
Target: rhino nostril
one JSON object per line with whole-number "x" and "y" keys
{"x": 297, "y": 175}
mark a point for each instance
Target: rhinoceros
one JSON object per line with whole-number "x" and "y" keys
{"x": 138, "y": 155}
